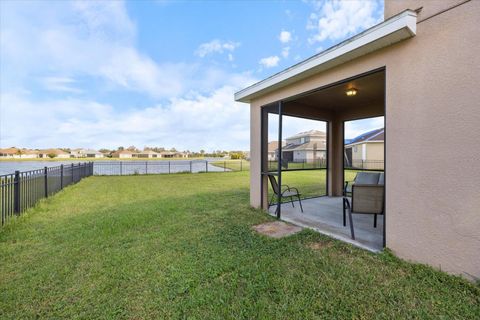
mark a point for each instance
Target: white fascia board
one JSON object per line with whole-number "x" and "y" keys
{"x": 392, "y": 30}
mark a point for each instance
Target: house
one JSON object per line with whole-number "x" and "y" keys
{"x": 366, "y": 151}
{"x": 418, "y": 69}
{"x": 16, "y": 153}
{"x": 123, "y": 154}
{"x": 85, "y": 153}
{"x": 173, "y": 154}
{"x": 147, "y": 154}
{"x": 53, "y": 153}
{"x": 307, "y": 146}
{"x": 273, "y": 150}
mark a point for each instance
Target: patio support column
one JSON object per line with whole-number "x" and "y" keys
{"x": 335, "y": 158}
{"x": 279, "y": 164}
{"x": 264, "y": 159}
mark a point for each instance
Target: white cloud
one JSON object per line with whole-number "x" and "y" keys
{"x": 270, "y": 62}
{"x": 285, "y": 36}
{"x": 87, "y": 38}
{"x": 199, "y": 121}
{"x": 62, "y": 84}
{"x": 336, "y": 20}
{"x": 216, "y": 46}
{"x": 285, "y": 52}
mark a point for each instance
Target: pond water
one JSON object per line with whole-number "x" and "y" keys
{"x": 127, "y": 167}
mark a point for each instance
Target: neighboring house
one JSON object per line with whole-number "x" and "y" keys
{"x": 124, "y": 154}
{"x": 306, "y": 146}
{"x": 89, "y": 153}
{"x": 147, "y": 154}
{"x": 272, "y": 150}
{"x": 56, "y": 153}
{"x": 418, "y": 69}
{"x": 16, "y": 153}
{"x": 173, "y": 154}
{"x": 366, "y": 151}
{"x": 85, "y": 153}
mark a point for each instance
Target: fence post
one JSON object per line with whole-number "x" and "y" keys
{"x": 45, "y": 174}
{"x": 72, "y": 173}
{"x": 16, "y": 193}
{"x": 190, "y": 166}
{"x": 206, "y": 165}
{"x": 168, "y": 167}
{"x": 146, "y": 167}
{"x": 241, "y": 167}
{"x": 61, "y": 176}
{"x": 120, "y": 167}
{"x": 224, "y": 166}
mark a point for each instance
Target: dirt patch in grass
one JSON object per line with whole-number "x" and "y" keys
{"x": 276, "y": 229}
{"x": 318, "y": 246}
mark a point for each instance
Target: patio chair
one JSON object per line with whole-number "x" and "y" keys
{"x": 366, "y": 199}
{"x": 289, "y": 192}
{"x": 364, "y": 178}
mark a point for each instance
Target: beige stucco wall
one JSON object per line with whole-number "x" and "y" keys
{"x": 375, "y": 151}
{"x": 433, "y": 116}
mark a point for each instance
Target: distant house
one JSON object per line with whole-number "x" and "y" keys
{"x": 123, "y": 154}
{"x": 55, "y": 153}
{"x": 366, "y": 151}
{"x": 85, "y": 153}
{"x": 16, "y": 153}
{"x": 147, "y": 154}
{"x": 173, "y": 154}
{"x": 273, "y": 150}
{"x": 305, "y": 146}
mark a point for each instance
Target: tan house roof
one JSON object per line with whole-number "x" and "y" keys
{"x": 52, "y": 151}
{"x": 12, "y": 150}
{"x": 116, "y": 153}
{"x": 273, "y": 146}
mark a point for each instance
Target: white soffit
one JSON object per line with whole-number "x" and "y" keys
{"x": 392, "y": 30}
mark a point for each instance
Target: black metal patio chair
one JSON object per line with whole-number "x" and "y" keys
{"x": 289, "y": 192}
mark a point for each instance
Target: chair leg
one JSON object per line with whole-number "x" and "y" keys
{"x": 351, "y": 223}
{"x": 300, "y": 201}
{"x": 375, "y": 221}
{"x": 291, "y": 200}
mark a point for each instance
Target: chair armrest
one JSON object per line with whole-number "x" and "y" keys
{"x": 346, "y": 186}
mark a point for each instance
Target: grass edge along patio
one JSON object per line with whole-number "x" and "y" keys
{"x": 416, "y": 69}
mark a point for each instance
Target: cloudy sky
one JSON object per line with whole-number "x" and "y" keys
{"x": 159, "y": 73}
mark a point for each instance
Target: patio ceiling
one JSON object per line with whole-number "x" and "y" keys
{"x": 332, "y": 102}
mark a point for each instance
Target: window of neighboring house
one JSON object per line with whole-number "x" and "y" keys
{"x": 354, "y": 148}
{"x": 302, "y": 140}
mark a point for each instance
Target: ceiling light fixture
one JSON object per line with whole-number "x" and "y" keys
{"x": 351, "y": 92}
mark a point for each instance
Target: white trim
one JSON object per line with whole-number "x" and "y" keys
{"x": 392, "y": 30}
{"x": 362, "y": 142}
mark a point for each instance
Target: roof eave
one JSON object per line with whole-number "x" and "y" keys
{"x": 392, "y": 30}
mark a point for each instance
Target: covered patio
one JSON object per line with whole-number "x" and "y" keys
{"x": 333, "y": 104}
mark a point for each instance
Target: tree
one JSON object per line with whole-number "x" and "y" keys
{"x": 121, "y": 148}
{"x": 104, "y": 150}
{"x": 51, "y": 155}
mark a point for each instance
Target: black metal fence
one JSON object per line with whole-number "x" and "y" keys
{"x": 110, "y": 168}
{"x": 21, "y": 190}
{"x": 298, "y": 164}
{"x": 365, "y": 165}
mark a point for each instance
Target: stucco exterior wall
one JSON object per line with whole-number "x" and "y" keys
{"x": 432, "y": 115}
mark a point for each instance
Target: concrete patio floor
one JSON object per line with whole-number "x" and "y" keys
{"x": 325, "y": 215}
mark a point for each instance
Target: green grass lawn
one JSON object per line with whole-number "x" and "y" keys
{"x": 181, "y": 246}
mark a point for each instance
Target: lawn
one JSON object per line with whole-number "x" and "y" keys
{"x": 181, "y": 246}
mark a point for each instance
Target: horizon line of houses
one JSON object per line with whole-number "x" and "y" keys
{"x": 17, "y": 153}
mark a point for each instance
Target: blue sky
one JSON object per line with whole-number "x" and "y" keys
{"x": 154, "y": 73}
